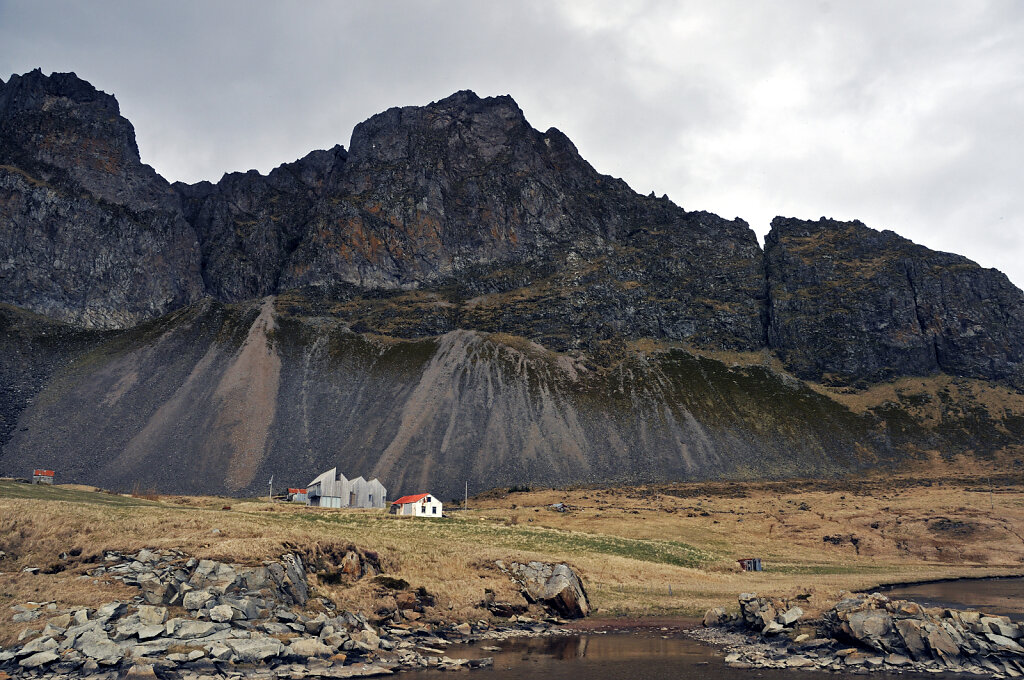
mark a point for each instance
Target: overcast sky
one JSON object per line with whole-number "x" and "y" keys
{"x": 908, "y": 116}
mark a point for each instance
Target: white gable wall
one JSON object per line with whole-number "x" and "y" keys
{"x": 430, "y": 507}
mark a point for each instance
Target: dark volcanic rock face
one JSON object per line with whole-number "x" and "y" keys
{"x": 849, "y": 304}
{"x": 464, "y": 193}
{"x": 90, "y": 234}
{"x": 249, "y": 225}
{"x": 469, "y": 190}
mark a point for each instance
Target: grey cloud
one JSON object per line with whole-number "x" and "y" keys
{"x": 905, "y": 115}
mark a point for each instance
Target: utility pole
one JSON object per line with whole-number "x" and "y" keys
{"x": 465, "y": 503}
{"x": 271, "y": 496}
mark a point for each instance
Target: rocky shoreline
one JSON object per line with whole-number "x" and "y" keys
{"x": 201, "y": 618}
{"x": 864, "y": 633}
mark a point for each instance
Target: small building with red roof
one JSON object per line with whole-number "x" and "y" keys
{"x": 417, "y": 505}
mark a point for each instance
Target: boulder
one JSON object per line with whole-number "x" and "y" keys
{"x": 309, "y": 648}
{"x": 143, "y": 631}
{"x": 715, "y": 616}
{"x": 147, "y": 556}
{"x": 556, "y": 586}
{"x": 140, "y": 672}
{"x": 155, "y": 592}
{"x": 247, "y": 608}
{"x": 366, "y": 640}
{"x": 294, "y": 583}
{"x": 64, "y": 620}
{"x": 913, "y": 636}
{"x": 222, "y": 613}
{"x": 941, "y": 642}
{"x": 111, "y": 610}
{"x": 869, "y": 627}
{"x": 766, "y": 616}
{"x": 1004, "y": 643}
{"x": 97, "y": 646}
{"x": 790, "y": 616}
{"x": 40, "y": 644}
{"x": 255, "y": 650}
{"x": 897, "y": 660}
{"x": 187, "y": 630}
{"x": 1001, "y": 626}
{"x": 219, "y": 651}
{"x": 196, "y": 599}
{"x": 152, "y": 615}
{"x": 39, "y": 659}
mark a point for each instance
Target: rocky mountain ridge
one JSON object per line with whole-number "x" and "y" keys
{"x": 464, "y": 193}
{"x": 446, "y": 234}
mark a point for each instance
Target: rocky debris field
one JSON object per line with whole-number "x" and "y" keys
{"x": 866, "y": 633}
{"x": 197, "y": 618}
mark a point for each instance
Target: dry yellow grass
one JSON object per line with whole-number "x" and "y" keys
{"x": 668, "y": 549}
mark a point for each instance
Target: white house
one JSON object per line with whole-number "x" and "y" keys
{"x": 418, "y": 505}
{"x": 333, "y": 490}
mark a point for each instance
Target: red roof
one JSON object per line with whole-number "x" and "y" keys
{"x": 296, "y": 491}
{"x": 42, "y": 473}
{"x": 410, "y": 499}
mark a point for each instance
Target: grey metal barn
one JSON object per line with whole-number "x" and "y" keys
{"x": 334, "y": 490}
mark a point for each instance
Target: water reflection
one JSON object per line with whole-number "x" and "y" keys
{"x": 595, "y": 647}
{"x": 653, "y": 654}
{"x": 645, "y": 655}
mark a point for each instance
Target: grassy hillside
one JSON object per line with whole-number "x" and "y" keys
{"x": 667, "y": 549}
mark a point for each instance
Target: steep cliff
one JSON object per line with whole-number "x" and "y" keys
{"x": 90, "y": 234}
{"x": 849, "y": 304}
{"x": 464, "y": 194}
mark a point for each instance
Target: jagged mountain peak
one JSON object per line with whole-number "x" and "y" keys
{"x": 58, "y": 84}
{"x": 462, "y": 123}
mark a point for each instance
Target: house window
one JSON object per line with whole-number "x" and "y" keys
{"x": 371, "y": 499}
{"x": 433, "y": 509}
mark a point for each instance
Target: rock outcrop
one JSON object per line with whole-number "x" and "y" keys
{"x": 249, "y": 225}
{"x": 90, "y": 235}
{"x": 556, "y": 586}
{"x": 885, "y": 635}
{"x": 768, "y": 616}
{"x": 949, "y": 636}
{"x": 849, "y": 304}
{"x": 225, "y": 619}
